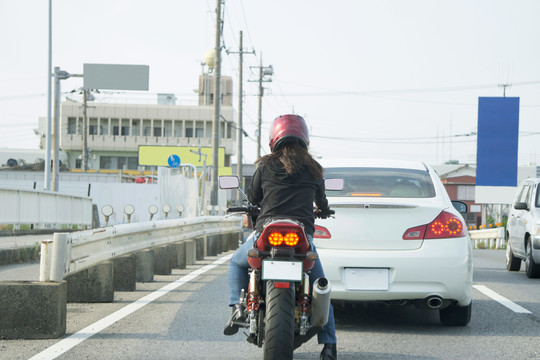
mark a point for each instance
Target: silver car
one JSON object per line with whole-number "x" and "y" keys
{"x": 523, "y": 229}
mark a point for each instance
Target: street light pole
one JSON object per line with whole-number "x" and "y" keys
{"x": 47, "y": 165}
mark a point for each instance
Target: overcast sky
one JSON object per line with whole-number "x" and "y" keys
{"x": 376, "y": 79}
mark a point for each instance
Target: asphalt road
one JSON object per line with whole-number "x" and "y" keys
{"x": 183, "y": 316}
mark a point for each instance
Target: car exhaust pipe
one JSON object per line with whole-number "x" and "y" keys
{"x": 434, "y": 302}
{"x": 320, "y": 304}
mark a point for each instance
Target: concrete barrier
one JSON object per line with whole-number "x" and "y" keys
{"x": 179, "y": 256}
{"x": 39, "y": 311}
{"x": 144, "y": 266}
{"x": 125, "y": 273}
{"x": 191, "y": 252}
{"x": 199, "y": 249}
{"x": 162, "y": 260}
{"x": 92, "y": 285}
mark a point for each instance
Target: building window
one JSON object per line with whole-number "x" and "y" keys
{"x": 72, "y": 125}
{"x": 78, "y": 163}
{"x": 189, "y": 132}
{"x": 199, "y": 132}
{"x": 465, "y": 192}
{"x": 157, "y": 131}
{"x": 92, "y": 130}
{"x": 105, "y": 162}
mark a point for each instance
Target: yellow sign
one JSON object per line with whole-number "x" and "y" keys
{"x": 159, "y": 156}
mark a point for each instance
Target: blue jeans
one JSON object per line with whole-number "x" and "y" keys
{"x": 239, "y": 279}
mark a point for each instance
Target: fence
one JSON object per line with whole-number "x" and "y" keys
{"x": 43, "y": 208}
{"x": 488, "y": 238}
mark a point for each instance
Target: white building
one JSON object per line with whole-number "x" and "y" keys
{"x": 115, "y": 131}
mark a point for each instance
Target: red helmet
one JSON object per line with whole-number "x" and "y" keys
{"x": 288, "y": 128}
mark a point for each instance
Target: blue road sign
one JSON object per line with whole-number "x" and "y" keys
{"x": 174, "y": 161}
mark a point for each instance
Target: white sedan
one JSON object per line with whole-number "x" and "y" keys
{"x": 397, "y": 238}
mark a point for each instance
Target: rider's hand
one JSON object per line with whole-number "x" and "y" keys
{"x": 323, "y": 214}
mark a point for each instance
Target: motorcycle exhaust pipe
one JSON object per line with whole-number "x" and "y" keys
{"x": 320, "y": 304}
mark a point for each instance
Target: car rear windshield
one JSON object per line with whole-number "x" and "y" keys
{"x": 382, "y": 182}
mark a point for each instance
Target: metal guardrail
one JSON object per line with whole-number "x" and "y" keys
{"x": 68, "y": 253}
{"x": 42, "y": 208}
{"x": 488, "y": 238}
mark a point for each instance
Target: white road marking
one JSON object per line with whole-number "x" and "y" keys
{"x": 68, "y": 343}
{"x": 501, "y": 299}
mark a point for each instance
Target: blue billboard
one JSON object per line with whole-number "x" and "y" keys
{"x": 497, "y": 145}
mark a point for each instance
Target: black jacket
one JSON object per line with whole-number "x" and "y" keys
{"x": 281, "y": 195}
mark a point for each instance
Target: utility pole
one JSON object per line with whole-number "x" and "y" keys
{"x": 240, "y": 132}
{"x": 217, "y": 107}
{"x": 85, "y": 132}
{"x": 263, "y": 71}
{"x": 56, "y": 128}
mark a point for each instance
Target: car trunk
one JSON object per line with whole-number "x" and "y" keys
{"x": 376, "y": 225}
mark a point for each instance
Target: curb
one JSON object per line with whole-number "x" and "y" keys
{"x": 20, "y": 255}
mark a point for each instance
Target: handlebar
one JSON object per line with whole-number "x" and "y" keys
{"x": 324, "y": 215}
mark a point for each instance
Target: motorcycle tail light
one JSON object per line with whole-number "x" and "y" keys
{"x": 291, "y": 239}
{"x": 275, "y": 238}
{"x": 446, "y": 225}
{"x": 321, "y": 232}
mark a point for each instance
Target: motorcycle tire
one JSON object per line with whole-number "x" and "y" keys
{"x": 279, "y": 322}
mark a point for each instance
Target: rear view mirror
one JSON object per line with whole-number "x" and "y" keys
{"x": 335, "y": 184}
{"x": 521, "y": 206}
{"x": 460, "y": 206}
{"x": 229, "y": 182}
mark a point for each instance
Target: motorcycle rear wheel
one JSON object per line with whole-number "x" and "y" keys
{"x": 279, "y": 322}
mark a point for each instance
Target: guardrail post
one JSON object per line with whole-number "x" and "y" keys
{"x": 45, "y": 260}
{"x": 59, "y": 256}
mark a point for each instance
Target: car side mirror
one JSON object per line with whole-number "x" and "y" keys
{"x": 460, "y": 206}
{"x": 521, "y": 206}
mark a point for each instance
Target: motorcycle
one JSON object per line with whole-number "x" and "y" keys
{"x": 281, "y": 311}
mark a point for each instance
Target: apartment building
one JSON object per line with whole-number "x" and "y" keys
{"x": 115, "y": 131}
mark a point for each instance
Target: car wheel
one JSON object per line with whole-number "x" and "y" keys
{"x": 512, "y": 263}
{"x": 532, "y": 269}
{"x": 455, "y": 315}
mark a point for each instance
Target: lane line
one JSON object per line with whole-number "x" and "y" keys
{"x": 68, "y": 343}
{"x": 501, "y": 299}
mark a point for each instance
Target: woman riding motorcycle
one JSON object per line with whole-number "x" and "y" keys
{"x": 285, "y": 185}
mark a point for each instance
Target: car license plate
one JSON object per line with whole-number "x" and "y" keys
{"x": 282, "y": 270}
{"x": 366, "y": 279}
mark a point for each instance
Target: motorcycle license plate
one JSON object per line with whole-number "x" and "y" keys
{"x": 282, "y": 270}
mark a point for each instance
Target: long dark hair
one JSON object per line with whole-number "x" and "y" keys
{"x": 294, "y": 157}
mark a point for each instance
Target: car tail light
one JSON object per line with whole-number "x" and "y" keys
{"x": 446, "y": 225}
{"x": 321, "y": 232}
